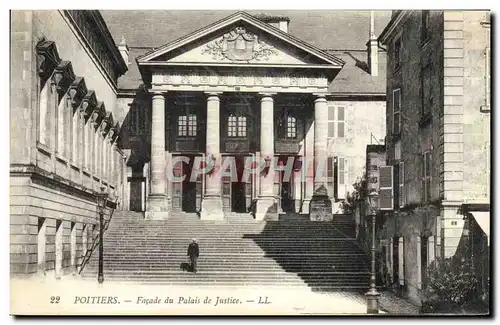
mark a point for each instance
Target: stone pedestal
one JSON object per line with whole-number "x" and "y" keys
{"x": 320, "y": 208}
{"x": 266, "y": 209}
{"x": 211, "y": 208}
{"x": 157, "y": 207}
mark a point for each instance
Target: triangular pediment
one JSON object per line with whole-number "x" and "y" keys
{"x": 240, "y": 39}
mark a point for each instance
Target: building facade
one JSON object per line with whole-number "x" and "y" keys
{"x": 438, "y": 140}
{"x": 284, "y": 100}
{"x": 92, "y": 109}
{"x": 63, "y": 136}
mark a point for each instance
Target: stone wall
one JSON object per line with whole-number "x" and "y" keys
{"x": 51, "y": 201}
{"x": 365, "y": 124}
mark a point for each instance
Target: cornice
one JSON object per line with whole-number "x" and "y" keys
{"x": 398, "y": 19}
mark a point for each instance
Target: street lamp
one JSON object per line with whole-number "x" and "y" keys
{"x": 101, "y": 206}
{"x": 372, "y": 294}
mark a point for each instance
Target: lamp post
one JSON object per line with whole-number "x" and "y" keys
{"x": 372, "y": 294}
{"x": 101, "y": 206}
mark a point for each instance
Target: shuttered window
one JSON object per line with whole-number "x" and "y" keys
{"x": 386, "y": 190}
{"x": 336, "y": 121}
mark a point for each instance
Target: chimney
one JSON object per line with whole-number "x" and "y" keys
{"x": 372, "y": 47}
{"x": 280, "y": 22}
{"x": 123, "y": 48}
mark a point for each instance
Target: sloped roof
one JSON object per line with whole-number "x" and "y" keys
{"x": 335, "y": 31}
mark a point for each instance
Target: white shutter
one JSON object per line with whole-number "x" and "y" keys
{"x": 341, "y": 178}
{"x": 401, "y": 254}
{"x": 430, "y": 250}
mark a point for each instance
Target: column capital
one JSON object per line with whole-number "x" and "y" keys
{"x": 320, "y": 97}
{"x": 267, "y": 96}
{"x": 157, "y": 93}
{"x": 213, "y": 95}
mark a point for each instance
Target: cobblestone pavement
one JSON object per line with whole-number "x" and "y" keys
{"x": 389, "y": 303}
{"x": 394, "y": 305}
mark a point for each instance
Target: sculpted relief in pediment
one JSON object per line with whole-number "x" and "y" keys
{"x": 240, "y": 45}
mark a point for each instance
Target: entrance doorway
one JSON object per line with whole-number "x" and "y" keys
{"x": 285, "y": 187}
{"x": 236, "y": 192}
{"x": 186, "y": 195}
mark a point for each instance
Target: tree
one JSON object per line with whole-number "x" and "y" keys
{"x": 359, "y": 194}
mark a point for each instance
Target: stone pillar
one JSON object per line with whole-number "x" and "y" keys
{"x": 320, "y": 207}
{"x": 157, "y": 205}
{"x": 211, "y": 205}
{"x": 266, "y": 208}
{"x": 320, "y": 141}
{"x": 308, "y": 166}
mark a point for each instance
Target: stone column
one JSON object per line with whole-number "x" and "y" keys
{"x": 322, "y": 210}
{"x": 211, "y": 205}
{"x": 266, "y": 208}
{"x": 320, "y": 141}
{"x": 308, "y": 165}
{"x": 157, "y": 205}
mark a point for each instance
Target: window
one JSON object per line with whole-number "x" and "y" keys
{"x": 330, "y": 179}
{"x": 187, "y": 125}
{"x": 426, "y": 176}
{"x": 395, "y": 186}
{"x": 397, "y": 53}
{"x": 336, "y": 122}
{"x": 402, "y": 194}
{"x": 237, "y": 126}
{"x": 395, "y": 259}
{"x": 396, "y": 111}
{"x": 424, "y": 248}
{"x": 425, "y": 26}
{"x": 427, "y": 97}
{"x": 341, "y": 177}
{"x": 291, "y": 127}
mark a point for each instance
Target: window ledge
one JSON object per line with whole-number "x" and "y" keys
{"x": 425, "y": 120}
{"x": 62, "y": 159}
{"x": 43, "y": 149}
{"x": 74, "y": 166}
{"x": 86, "y": 172}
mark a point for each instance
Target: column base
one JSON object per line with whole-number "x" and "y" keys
{"x": 211, "y": 208}
{"x": 266, "y": 209}
{"x": 320, "y": 208}
{"x": 305, "y": 206}
{"x": 158, "y": 207}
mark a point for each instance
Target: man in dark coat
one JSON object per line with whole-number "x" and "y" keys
{"x": 193, "y": 253}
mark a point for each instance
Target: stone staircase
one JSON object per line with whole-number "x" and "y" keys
{"x": 233, "y": 252}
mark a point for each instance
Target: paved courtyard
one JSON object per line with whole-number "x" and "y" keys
{"x": 72, "y": 295}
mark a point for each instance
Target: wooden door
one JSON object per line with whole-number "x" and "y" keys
{"x": 226, "y": 191}
{"x": 200, "y": 188}
{"x": 177, "y": 187}
{"x": 277, "y": 186}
